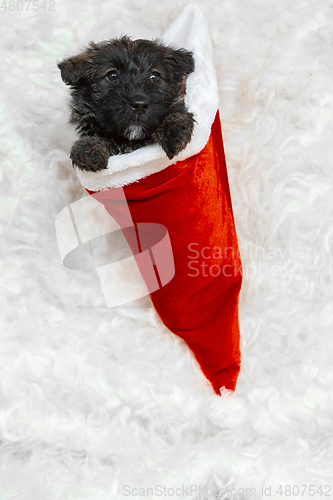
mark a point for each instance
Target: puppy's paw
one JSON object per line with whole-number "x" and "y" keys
{"x": 175, "y": 133}
{"x": 90, "y": 153}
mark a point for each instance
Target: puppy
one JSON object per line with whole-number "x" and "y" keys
{"x": 126, "y": 94}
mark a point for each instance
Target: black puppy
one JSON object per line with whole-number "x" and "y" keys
{"x": 126, "y": 94}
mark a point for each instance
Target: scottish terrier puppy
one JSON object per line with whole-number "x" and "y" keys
{"x": 126, "y": 94}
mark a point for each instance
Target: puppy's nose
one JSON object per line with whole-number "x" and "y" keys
{"x": 139, "y": 104}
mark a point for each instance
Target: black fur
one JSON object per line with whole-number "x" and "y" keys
{"x": 124, "y": 95}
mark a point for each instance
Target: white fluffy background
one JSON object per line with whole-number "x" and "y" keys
{"x": 94, "y": 399}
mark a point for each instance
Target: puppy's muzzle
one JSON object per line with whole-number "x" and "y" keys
{"x": 139, "y": 104}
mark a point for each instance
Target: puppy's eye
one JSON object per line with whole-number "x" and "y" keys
{"x": 155, "y": 76}
{"x": 112, "y": 75}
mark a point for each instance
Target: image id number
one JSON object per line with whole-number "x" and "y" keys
{"x": 26, "y": 5}
{"x": 304, "y": 489}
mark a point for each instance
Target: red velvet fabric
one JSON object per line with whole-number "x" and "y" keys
{"x": 191, "y": 199}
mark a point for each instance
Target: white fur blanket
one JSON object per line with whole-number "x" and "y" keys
{"x": 100, "y": 403}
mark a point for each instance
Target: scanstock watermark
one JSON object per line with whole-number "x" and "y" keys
{"x": 271, "y": 261}
{"x": 127, "y": 272}
{"x": 89, "y": 238}
{"x": 201, "y": 492}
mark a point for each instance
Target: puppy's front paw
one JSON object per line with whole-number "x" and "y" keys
{"x": 90, "y": 153}
{"x": 175, "y": 133}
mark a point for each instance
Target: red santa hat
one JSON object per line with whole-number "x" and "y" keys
{"x": 176, "y": 216}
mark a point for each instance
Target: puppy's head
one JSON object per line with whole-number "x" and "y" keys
{"x": 125, "y": 88}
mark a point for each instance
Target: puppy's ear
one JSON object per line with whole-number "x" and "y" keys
{"x": 183, "y": 61}
{"x": 76, "y": 68}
